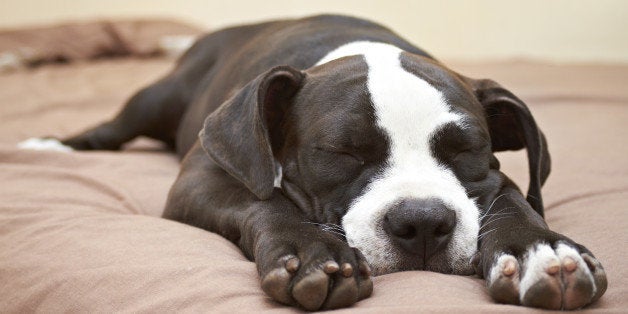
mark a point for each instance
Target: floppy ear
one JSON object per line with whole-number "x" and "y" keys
{"x": 512, "y": 127}
{"x": 240, "y": 135}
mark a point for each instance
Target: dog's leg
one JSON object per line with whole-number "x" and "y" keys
{"x": 526, "y": 263}
{"x": 154, "y": 111}
{"x": 299, "y": 264}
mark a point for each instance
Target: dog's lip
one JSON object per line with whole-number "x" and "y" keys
{"x": 416, "y": 265}
{"x": 413, "y": 263}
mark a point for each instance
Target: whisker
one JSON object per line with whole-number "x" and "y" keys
{"x": 331, "y": 228}
{"x": 495, "y": 200}
{"x": 485, "y": 233}
{"x": 334, "y": 226}
{"x": 496, "y": 219}
{"x": 311, "y": 223}
{"x": 334, "y": 232}
{"x": 498, "y": 214}
{"x": 339, "y": 234}
{"x": 493, "y": 203}
{"x": 489, "y": 213}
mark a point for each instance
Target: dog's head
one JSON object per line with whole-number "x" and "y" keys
{"x": 395, "y": 147}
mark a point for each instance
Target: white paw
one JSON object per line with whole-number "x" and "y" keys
{"x": 546, "y": 277}
{"x": 50, "y": 144}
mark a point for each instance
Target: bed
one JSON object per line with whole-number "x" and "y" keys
{"x": 81, "y": 231}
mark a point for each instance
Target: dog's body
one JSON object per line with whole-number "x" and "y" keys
{"x": 329, "y": 144}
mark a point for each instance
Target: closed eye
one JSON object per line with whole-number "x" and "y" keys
{"x": 471, "y": 149}
{"x": 341, "y": 152}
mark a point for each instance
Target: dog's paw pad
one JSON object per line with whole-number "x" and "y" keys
{"x": 541, "y": 282}
{"x": 311, "y": 290}
{"x": 323, "y": 278}
{"x": 560, "y": 278}
{"x": 276, "y": 283}
{"x": 578, "y": 282}
{"x": 345, "y": 293}
{"x": 49, "y": 144}
{"x": 365, "y": 287}
{"x": 503, "y": 282}
{"x": 546, "y": 277}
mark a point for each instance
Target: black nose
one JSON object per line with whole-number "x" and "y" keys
{"x": 420, "y": 226}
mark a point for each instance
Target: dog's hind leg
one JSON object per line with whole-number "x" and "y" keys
{"x": 154, "y": 111}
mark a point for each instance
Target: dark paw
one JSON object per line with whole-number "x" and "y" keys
{"x": 550, "y": 277}
{"x": 319, "y": 277}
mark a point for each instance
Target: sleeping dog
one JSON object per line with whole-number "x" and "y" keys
{"x": 329, "y": 149}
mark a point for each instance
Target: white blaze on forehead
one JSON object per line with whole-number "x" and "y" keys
{"x": 409, "y": 110}
{"x": 351, "y": 49}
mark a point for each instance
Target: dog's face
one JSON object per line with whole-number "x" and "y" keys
{"x": 393, "y": 147}
{"x": 387, "y": 155}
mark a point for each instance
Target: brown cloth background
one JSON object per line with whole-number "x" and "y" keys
{"x": 79, "y": 41}
{"x": 80, "y": 232}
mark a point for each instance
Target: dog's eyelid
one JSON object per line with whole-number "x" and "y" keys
{"x": 474, "y": 148}
{"x": 341, "y": 151}
{"x": 335, "y": 148}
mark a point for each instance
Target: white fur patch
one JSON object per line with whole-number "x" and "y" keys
{"x": 351, "y": 49}
{"x": 409, "y": 110}
{"x": 537, "y": 261}
{"x": 50, "y": 144}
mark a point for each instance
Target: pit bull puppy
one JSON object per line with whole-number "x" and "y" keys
{"x": 331, "y": 149}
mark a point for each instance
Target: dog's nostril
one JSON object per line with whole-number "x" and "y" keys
{"x": 404, "y": 231}
{"x": 441, "y": 231}
{"x": 447, "y": 225}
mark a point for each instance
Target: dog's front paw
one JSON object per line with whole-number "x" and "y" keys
{"x": 557, "y": 276}
{"x": 316, "y": 275}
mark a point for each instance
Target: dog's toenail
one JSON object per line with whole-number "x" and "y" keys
{"x": 347, "y": 270}
{"x": 553, "y": 269}
{"x": 292, "y": 264}
{"x": 569, "y": 264}
{"x": 509, "y": 268}
{"x": 331, "y": 267}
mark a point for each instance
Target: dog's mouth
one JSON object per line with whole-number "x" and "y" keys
{"x": 384, "y": 256}
{"x": 439, "y": 263}
{"x": 390, "y": 259}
